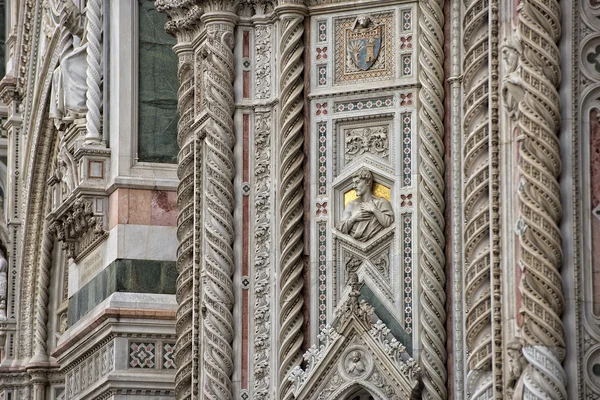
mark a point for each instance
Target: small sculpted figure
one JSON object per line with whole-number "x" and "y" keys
{"x": 367, "y": 215}
{"x": 356, "y": 366}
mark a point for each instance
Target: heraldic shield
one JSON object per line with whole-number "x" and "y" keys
{"x": 364, "y": 44}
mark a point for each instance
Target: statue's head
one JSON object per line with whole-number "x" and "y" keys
{"x": 362, "y": 181}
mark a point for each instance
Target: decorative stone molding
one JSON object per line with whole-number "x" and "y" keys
{"x": 479, "y": 201}
{"x": 291, "y": 155}
{"x": 262, "y": 254}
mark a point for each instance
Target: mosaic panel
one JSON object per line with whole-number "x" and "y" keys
{"x": 407, "y": 265}
{"x": 168, "y": 356}
{"x": 142, "y": 355}
{"x": 406, "y": 149}
{"x": 357, "y": 105}
{"x": 364, "y": 51}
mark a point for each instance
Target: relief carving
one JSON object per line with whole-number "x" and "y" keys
{"x": 372, "y": 140}
{"x": 356, "y": 363}
{"x": 367, "y": 215}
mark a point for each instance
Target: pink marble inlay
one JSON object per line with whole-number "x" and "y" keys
{"x": 142, "y": 207}
{"x": 164, "y": 208}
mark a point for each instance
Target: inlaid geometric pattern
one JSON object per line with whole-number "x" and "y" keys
{"x": 142, "y": 355}
{"x": 322, "y": 31}
{"x": 322, "y": 76}
{"x": 357, "y": 105}
{"x": 406, "y": 65}
{"x": 168, "y": 356}
{"x": 322, "y": 145}
{"x": 406, "y": 149}
{"x": 406, "y": 20}
{"x": 407, "y": 264}
{"x": 322, "y": 226}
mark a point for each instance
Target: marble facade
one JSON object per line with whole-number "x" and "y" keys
{"x": 387, "y": 199}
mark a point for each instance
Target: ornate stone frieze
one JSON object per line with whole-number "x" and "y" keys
{"x": 262, "y": 255}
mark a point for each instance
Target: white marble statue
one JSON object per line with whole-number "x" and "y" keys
{"x": 69, "y": 79}
{"x": 367, "y": 215}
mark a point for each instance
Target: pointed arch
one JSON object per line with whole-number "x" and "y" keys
{"x": 40, "y": 151}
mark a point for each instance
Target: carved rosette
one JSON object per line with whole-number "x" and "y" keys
{"x": 431, "y": 223}
{"x": 291, "y": 156}
{"x": 539, "y": 165}
{"x": 477, "y": 203}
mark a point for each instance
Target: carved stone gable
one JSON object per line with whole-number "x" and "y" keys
{"x": 357, "y": 354}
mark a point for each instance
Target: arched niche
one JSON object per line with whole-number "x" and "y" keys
{"x": 359, "y": 393}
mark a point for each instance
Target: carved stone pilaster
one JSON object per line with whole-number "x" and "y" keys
{"x": 291, "y": 155}
{"x": 431, "y": 189}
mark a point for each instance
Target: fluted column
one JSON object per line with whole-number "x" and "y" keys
{"x": 93, "y": 80}
{"x": 539, "y": 166}
{"x": 291, "y": 157}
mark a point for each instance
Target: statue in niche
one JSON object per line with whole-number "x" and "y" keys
{"x": 516, "y": 366}
{"x": 69, "y": 86}
{"x": 512, "y": 91}
{"x": 367, "y": 215}
{"x": 66, "y": 171}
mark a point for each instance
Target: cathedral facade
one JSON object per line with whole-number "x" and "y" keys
{"x": 288, "y": 199}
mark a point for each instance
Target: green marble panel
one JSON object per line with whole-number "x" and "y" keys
{"x": 157, "y": 88}
{"x": 134, "y": 276}
{"x": 386, "y": 317}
